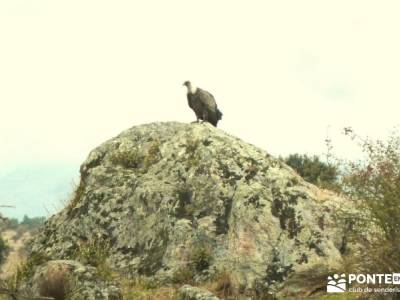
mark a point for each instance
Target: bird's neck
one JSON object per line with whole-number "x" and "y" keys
{"x": 192, "y": 89}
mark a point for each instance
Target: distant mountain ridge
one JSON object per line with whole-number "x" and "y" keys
{"x": 36, "y": 187}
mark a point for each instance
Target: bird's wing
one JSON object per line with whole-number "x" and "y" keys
{"x": 208, "y": 100}
{"x": 190, "y": 100}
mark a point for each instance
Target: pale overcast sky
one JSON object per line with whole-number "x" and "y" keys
{"x": 76, "y": 73}
{"x": 285, "y": 74}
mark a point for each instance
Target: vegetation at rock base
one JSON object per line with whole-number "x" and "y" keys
{"x": 142, "y": 288}
{"x": 95, "y": 252}
{"x": 27, "y": 269}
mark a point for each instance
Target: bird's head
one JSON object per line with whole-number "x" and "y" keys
{"x": 191, "y": 88}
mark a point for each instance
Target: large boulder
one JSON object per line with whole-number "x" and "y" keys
{"x": 174, "y": 201}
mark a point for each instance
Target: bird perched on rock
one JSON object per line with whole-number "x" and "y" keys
{"x": 203, "y": 104}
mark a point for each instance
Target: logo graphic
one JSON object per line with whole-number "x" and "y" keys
{"x": 336, "y": 283}
{"x": 396, "y": 278}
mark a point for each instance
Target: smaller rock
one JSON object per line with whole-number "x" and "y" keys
{"x": 188, "y": 292}
{"x": 74, "y": 279}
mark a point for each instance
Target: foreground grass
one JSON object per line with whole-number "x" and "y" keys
{"x": 343, "y": 296}
{"x": 143, "y": 289}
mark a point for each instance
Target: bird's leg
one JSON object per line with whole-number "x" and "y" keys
{"x": 205, "y": 116}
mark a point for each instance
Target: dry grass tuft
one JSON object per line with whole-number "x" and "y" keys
{"x": 224, "y": 286}
{"x": 144, "y": 289}
{"x": 78, "y": 194}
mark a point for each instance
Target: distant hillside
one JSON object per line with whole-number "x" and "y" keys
{"x": 16, "y": 235}
{"x": 34, "y": 188}
{"x": 16, "y": 242}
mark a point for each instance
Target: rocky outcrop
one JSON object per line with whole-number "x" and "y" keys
{"x": 173, "y": 201}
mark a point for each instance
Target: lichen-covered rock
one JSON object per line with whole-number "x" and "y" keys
{"x": 188, "y": 292}
{"x": 72, "y": 279}
{"x": 189, "y": 200}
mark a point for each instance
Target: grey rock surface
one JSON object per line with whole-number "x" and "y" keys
{"x": 170, "y": 197}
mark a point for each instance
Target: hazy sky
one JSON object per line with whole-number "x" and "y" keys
{"x": 76, "y": 73}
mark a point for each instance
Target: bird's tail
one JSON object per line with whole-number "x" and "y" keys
{"x": 219, "y": 114}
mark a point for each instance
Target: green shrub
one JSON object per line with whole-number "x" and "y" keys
{"x": 373, "y": 183}
{"x": 136, "y": 159}
{"x": 313, "y": 170}
{"x": 128, "y": 158}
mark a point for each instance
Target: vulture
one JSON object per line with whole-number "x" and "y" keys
{"x": 203, "y": 104}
